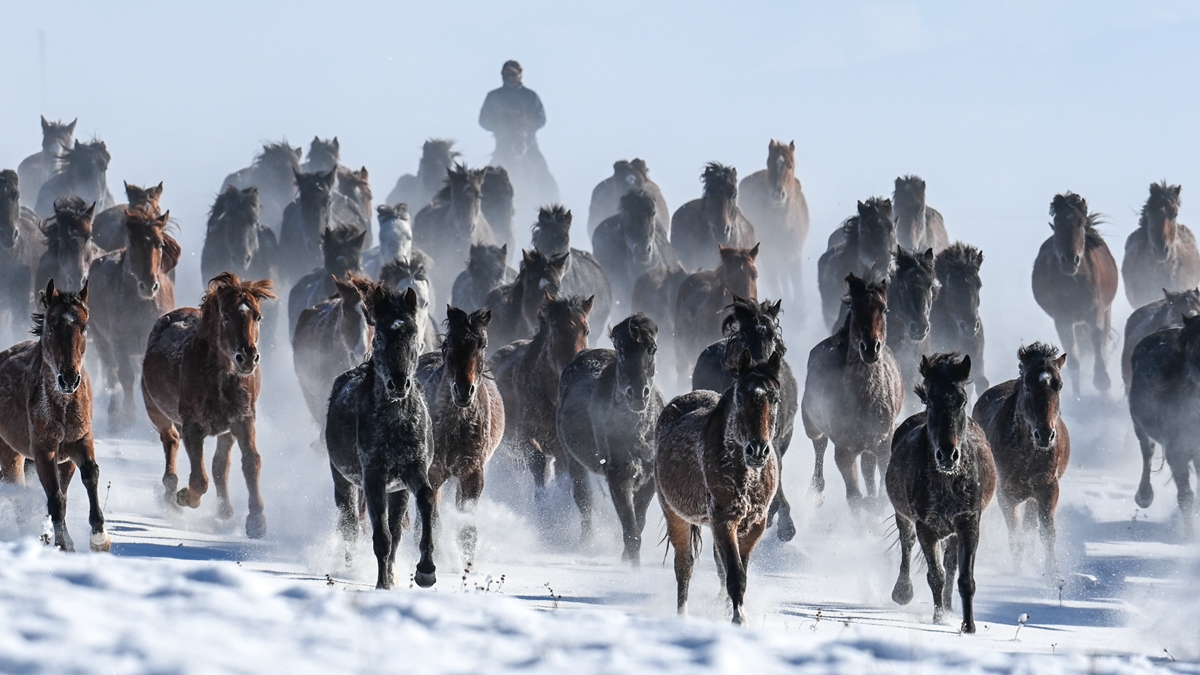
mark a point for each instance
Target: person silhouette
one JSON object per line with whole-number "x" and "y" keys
{"x": 514, "y": 113}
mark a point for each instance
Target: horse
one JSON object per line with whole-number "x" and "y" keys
{"x": 628, "y": 176}
{"x": 496, "y": 202}
{"x": 1166, "y": 312}
{"x": 400, "y": 275}
{"x": 82, "y": 173}
{"x": 200, "y": 378}
{"x": 318, "y": 208}
{"x": 331, "y": 337}
{"x": 21, "y": 249}
{"x": 380, "y": 438}
{"x": 108, "y": 229}
{"x": 714, "y": 465}
{"x": 452, "y": 222}
{"x": 583, "y": 275}
{"x": 355, "y": 186}
{"x": 863, "y": 246}
{"x": 654, "y": 295}
{"x": 487, "y": 270}
{"x": 235, "y": 240}
{"x": 1164, "y": 397}
{"x": 754, "y": 327}
{"x": 714, "y": 217}
{"x": 918, "y": 226}
{"x": 701, "y": 301}
{"x": 323, "y": 155}
{"x": 395, "y": 239}
{"x": 515, "y": 306}
{"x": 131, "y": 289}
{"x": 853, "y": 392}
{"x": 37, "y": 168}
{"x": 1030, "y": 444}
{"x": 1075, "y": 281}
{"x": 273, "y": 173}
{"x": 954, "y": 321}
{"x": 940, "y": 479}
{"x": 437, "y": 157}
{"x": 912, "y": 291}
{"x": 46, "y": 412}
{"x": 341, "y": 248}
{"x": 69, "y": 247}
{"x": 1161, "y": 253}
{"x": 607, "y": 408}
{"x": 629, "y": 244}
{"x": 466, "y": 412}
{"x": 527, "y": 374}
{"x": 774, "y": 201}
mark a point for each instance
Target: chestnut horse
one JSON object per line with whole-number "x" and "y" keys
{"x": 774, "y": 201}
{"x": 702, "y": 299}
{"x": 1166, "y": 312}
{"x": 201, "y": 378}
{"x": 46, "y": 411}
{"x": 1075, "y": 281}
{"x": 1161, "y": 254}
{"x": 131, "y": 288}
{"x": 713, "y": 218}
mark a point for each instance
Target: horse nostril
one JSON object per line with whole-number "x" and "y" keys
{"x": 154, "y": 288}
{"x": 1075, "y": 260}
{"x": 248, "y": 259}
{"x": 390, "y": 384}
{"x": 937, "y": 454}
{"x": 1053, "y": 436}
{"x": 954, "y": 455}
{"x": 629, "y": 392}
{"x": 470, "y": 391}
{"x": 646, "y": 391}
{"x": 257, "y": 357}
{"x": 1037, "y": 437}
{"x": 239, "y": 358}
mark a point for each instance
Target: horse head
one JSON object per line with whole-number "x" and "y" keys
{"x": 755, "y": 408}
{"x": 57, "y": 137}
{"x": 61, "y": 328}
{"x": 395, "y": 231}
{"x": 1071, "y": 225}
{"x": 341, "y": 248}
{"x": 230, "y": 314}
{"x": 867, "y": 319}
{"x": 68, "y": 239}
{"x": 738, "y": 271}
{"x": 564, "y": 322}
{"x": 463, "y": 352}
{"x": 719, "y": 203}
{"x": 874, "y": 232}
{"x": 911, "y": 293}
{"x": 437, "y": 158}
{"x": 150, "y": 253}
{"x": 943, "y": 391}
{"x": 466, "y": 195}
{"x": 353, "y": 330}
{"x": 487, "y": 263}
{"x": 234, "y": 221}
{"x": 397, "y": 342}
{"x": 958, "y": 277}
{"x": 781, "y": 170}
{"x": 638, "y": 211}
{"x": 636, "y": 342}
{"x": 1040, "y": 382}
{"x": 552, "y": 231}
{"x": 323, "y": 154}
{"x": 1160, "y": 218}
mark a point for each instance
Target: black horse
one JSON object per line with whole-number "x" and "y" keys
{"x": 583, "y": 275}
{"x": 487, "y": 270}
{"x": 341, "y": 248}
{"x": 954, "y": 321}
{"x": 862, "y": 246}
{"x": 630, "y": 244}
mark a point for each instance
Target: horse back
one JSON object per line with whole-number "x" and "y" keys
{"x": 679, "y": 447}
{"x": 580, "y": 395}
{"x": 18, "y": 379}
{"x": 162, "y": 367}
{"x": 691, "y": 238}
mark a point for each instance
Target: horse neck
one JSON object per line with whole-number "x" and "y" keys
{"x": 316, "y": 216}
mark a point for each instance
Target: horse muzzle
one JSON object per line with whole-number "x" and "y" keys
{"x": 947, "y": 461}
{"x": 1044, "y": 440}
{"x": 869, "y": 350}
{"x": 68, "y": 382}
{"x": 779, "y": 197}
{"x": 637, "y": 400}
{"x": 148, "y": 291}
{"x": 396, "y": 388}
{"x": 1069, "y": 264}
{"x": 246, "y": 361}
{"x": 9, "y": 242}
{"x": 463, "y": 398}
{"x": 756, "y": 453}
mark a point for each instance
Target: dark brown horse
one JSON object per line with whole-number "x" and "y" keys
{"x": 451, "y": 223}
{"x": 912, "y": 290}
{"x": 69, "y": 248}
{"x": 236, "y": 240}
{"x": 465, "y": 409}
{"x": 940, "y": 479}
{"x": 862, "y": 246}
{"x": 356, "y": 187}
{"x": 714, "y": 465}
{"x": 131, "y": 288}
{"x": 713, "y": 218}
{"x": 201, "y": 378}
{"x": 1164, "y": 402}
{"x": 853, "y": 392}
{"x": 1075, "y": 281}
{"x": 1030, "y": 444}
{"x": 955, "y": 324}
{"x": 702, "y": 299}
{"x": 918, "y": 226}
{"x": 273, "y": 173}
{"x": 46, "y": 411}
{"x": 1161, "y": 254}
{"x": 487, "y": 270}
{"x": 628, "y": 176}
{"x": 108, "y": 230}
{"x": 583, "y": 276}
{"x": 341, "y": 251}
{"x": 37, "y": 168}
{"x": 323, "y": 155}
{"x": 21, "y": 249}
{"x": 319, "y": 207}
{"x": 773, "y": 200}
{"x": 437, "y": 157}
{"x": 629, "y": 244}
{"x": 1166, "y": 312}
{"x": 83, "y": 173}
{"x": 515, "y": 307}
{"x": 331, "y": 337}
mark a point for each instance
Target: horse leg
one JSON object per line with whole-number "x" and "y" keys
{"x": 83, "y": 455}
{"x": 1179, "y": 460}
{"x": 621, "y": 490}
{"x": 1016, "y": 538}
{"x": 470, "y": 488}
{"x": 950, "y": 564}
{"x": 12, "y": 465}
{"x": 641, "y": 503}
{"x": 193, "y": 443}
{"x": 220, "y": 474}
{"x": 45, "y": 454}
{"x": 902, "y": 592}
{"x": 725, "y": 545}
{"x": 779, "y": 504}
{"x": 109, "y": 369}
{"x": 1066, "y": 335}
{"x": 375, "y": 490}
{"x": 844, "y": 457}
{"x": 869, "y": 462}
{"x": 168, "y": 433}
{"x": 256, "y": 520}
{"x": 581, "y": 490}
{"x": 397, "y": 509}
{"x": 426, "y": 574}
{"x": 128, "y": 376}
{"x": 817, "y": 485}
{"x": 1100, "y": 378}
{"x": 345, "y": 496}
{"x": 968, "y": 542}
{"x": 680, "y": 534}
{"x": 935, "y": 575}
{"x": 1145, "y": 492}
{"x": 1047, "y": 502}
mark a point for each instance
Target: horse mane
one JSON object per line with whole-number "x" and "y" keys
{"x": 909, "y": 261}
{"x": 637, "y": 203}
{"x": 439, "y": 147}
{"x": 400, "y": 269}
{"x": 73, "y": 299}
{"x": 572, "y": 304}
{"x": 1037, "y": 353}
{"x": 910, "y": 185}
{"x": 70, "y": 221}
{"x": 944, "y": 367}
{"x": 394, "y": 212}
{"x": 230, "y": 198}
{"x": 637, "y": 329}
{"x": 719, "y": 179}
{"x": 958, "y": 257}
{"x": 8, "y": 179}
{"x": 556, "y": 216}
{"x": 1161, "y": 194}
{"x": 750, "y": 311}
{"x": 224, "y": 284}
{"x": 466, "y": 323}
{"x": 455, "y": 175}
{"x": 1070, "y": 200}
{"x": 81, "y": 151}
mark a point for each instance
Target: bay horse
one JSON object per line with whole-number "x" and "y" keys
{"x": 273, "y": 173}
{"x": 940, "y": 479}
{"x": 466, "y": 412}
{"x": 955, "y": 324}
{"x": 452, "y": 222}
{"x": 918, "y": 226}
{"x": 380, "y": 438}
{"x": 607, "y": 408}
{"x": 515, "y": 307}
{"x": 131, "y": 289}
{"x": 628, "y": 176}
{"x": 35, "y": 169}
{"x": 108, "y": 229}
{"x": 487, "y": 270}
{"x": 853, "y": 392}
{"x": 1075, "y": 281}
{"x": 318, "y": 208}
{"x": 714, "y": 465}
{"x": 21, "y": 249}
{"x": 1164, "y": 402}
{"x": 1161, "y": 253}
{"x": 437, "y": 157}
{"x": 200, "y": 378}
{"x": 1024, "y": 427}
{"x": 629, "y": 243}
{"x": 46, "y": 411}
{"x": 331, "y": 337}
{"x": 83, "y": 172}
{"x": 496, "y": 202}
{"x": 1166, "y": 312}
{"x": 713, "y": 218}
{"x": 583, "y": 274}
{"x": 862, "y": 246}
{"x": 773, "y": 200}
{"x": 754, "y": 327}
{"x": 527, "y": 373}
{"x": 702, "y": 299}
{"x": 341, "y": 249}
{"x": 69, "y": 247}
{"x": 401, "y": 275}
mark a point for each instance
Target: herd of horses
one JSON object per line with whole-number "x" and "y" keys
{"x": 405, "y": 409}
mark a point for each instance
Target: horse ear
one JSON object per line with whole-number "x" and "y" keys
{"x": 504, "y": 251}
{"x": 754, "y": 251}
{"x": 526, "y": 256}
{"x": 925, "y": 366}
{"x": 928, "y": 254}
{"x": 165, "y": 217}
{"x": 336, "y": 145}
{"x": 962, "y": 369}
{"x": 792, "y": 145}
{"x": 775, "y": 363}
{"x": 411, "y": 300}
{"x": 1061, "y": 361}
{"x": 919, "y": 390}
{"x": 71, "y": 126}
{"x": 587, "y": 304}
{"x": 45, "y": 124}
{"x": 1166, "y": 294}
{"x": 49, "y": 294}
{"x": 745, "y": 362}
{"x": 774, "y": 310}
{"x": 156, "y": 190}
{"x": 454, "y": 314}
{"x": 483, "y": 317}
{"x": 362, "y": 173}
{"x": 359, "y": 240}
{"x": 91, "y": 210}
{"x": 83, "y": 293}
{"x": 298, "y": 152}
{"x": 855, "y": 284}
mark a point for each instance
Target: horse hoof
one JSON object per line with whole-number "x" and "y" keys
{"x": 184, "y": 498}
{"x": 256, "y": 526}
{"x": 425, "y": 579}
{"x": 787, "y": 529}
{"x": 968, "y": 627}
{"x": 100, "y": 542}
{"x": 1144, "y": 497}
{"x": 225, "y": 511}
{"x": 902, "y": 594}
